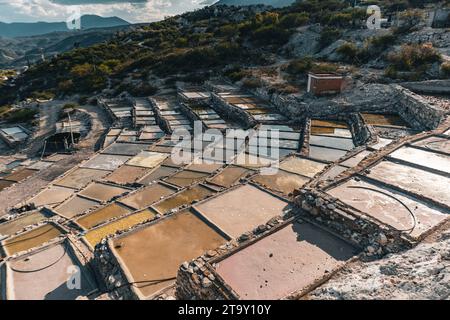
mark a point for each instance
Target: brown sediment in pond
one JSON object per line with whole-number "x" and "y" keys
{"x": 388, "y": 206}
{"x": 230, "y": 176}
{"x": 185, "y": 197}
{"x": 147, "y": 159}
{"x": 43, "y": 275}
{"x": 81, "y": 177}
{"x": 305, "y": 167}
{"x": 11, "y": 227}
{"x": 326, "y": 154}
{"x": 104, "y": 214}
{"x": 423, "y": 158}
{"x": 102, "y": 191}
{"x": 335, "y": 132}
{"x": 106, "y": 162}
{"x": 287, "y": 261}
{"x": 383, "y": 120}
{"x": 52, "y": 196}
{"x": 75, "y": 206}
{"x": 186, "y": 178}
{"x": 168, "y": 244}
{"x": 204, "y": 167}
{"x": 20, "y": 175}
{"x": 241, "y": 209}
{"x": 94, "y": 236}
{"x": 329, "y": 124}
{"x": 31, "y": 239}
{"x": 127, "y": 174}
{"x": 282, "y": 181}
{"x": 147, "y": 196}
{"x": 414, "y": 180}
{"x": 157, "y": 174}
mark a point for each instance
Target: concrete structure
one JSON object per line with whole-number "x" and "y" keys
{"x": 325, "y": 83}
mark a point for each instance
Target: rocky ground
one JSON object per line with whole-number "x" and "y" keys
{"x": 420, "y": 273}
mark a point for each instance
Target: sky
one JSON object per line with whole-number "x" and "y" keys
{"x": 59, "y": 10}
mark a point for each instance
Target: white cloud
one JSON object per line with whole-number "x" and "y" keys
{"x": 57, "y": 10}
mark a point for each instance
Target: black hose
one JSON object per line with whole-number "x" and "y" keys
{"x": 392, "y": 197}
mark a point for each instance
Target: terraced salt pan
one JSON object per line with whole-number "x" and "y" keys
{"x": 75, "y": 206}
{"x": 287, "y": 261}
{"x": 387, "y": 120}
{"x": 355, "y": 160}
{"x": 302, "y": 166}
{"x": 334, "y": 132}
{"x": 332, "y": 142}
{"x": 391, "y": 207}
{"x": 81, "y": 177}
{"x": 326, "y": 154}
{"x": 229, "y": 176}
{"x": 328, "y": 124}
{"x": 13, "y": 226}
{"x": 52, "y": 196}
{"x": 423, "y": 158}
{"x": 185, "y": 178}
{"x": 95, "y": 236}
{"x": 147, "y": 159}
{"x": 241, "y": 210}
{"x": 103, "y": 192}
{"x": 186, "y": 197}
{"x": 283, "y": 182}
{"x": 127, "y": 174}
{"x": 170, "y": 242}
{"x": 106, "y": 162}
{"x": 43, "y": 275}
{"x": 128, "y": 149}
{"x": 414, "y": 180}
{"x": 435, "y": 144}
{"x": 101, "y": 215}
{"x": 157, "y": 174}
{"x": 147, "y": 196}
{"x": 31, "y": 239}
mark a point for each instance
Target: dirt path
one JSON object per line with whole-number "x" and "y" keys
{"x": 21, "y": 192}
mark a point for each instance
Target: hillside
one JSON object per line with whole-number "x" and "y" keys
{"x": 273, "y": 3}
{"x": 13, "y": 30}
{"x": 243, "y": 43}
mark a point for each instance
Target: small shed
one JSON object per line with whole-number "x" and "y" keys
{"x": 325, "y": 83}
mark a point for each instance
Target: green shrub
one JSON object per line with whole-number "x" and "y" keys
{"x": 300, "y": 66}
{"x": 348, "y": 51}
{"x": 294, "y": 20}
{"x": 328, "y": 36}
{"x": 412, "y": 57}
{"x": 22, "y": 115}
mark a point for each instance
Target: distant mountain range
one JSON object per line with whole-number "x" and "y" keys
{"x": 273, "y": 3}
{"x": 19, "y": 29}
